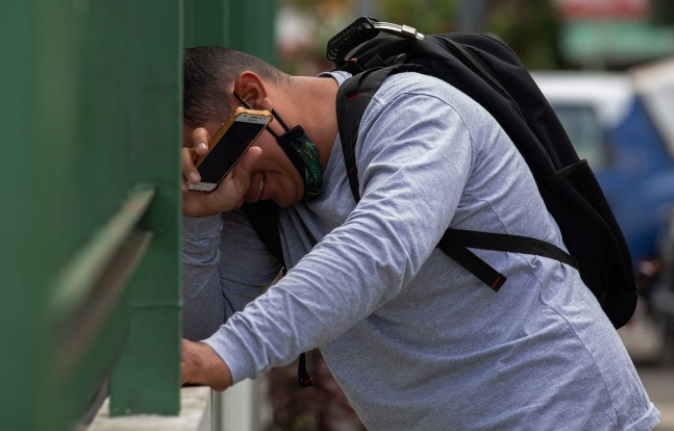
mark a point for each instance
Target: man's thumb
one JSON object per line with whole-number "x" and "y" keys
{"x": 245, "y": 164}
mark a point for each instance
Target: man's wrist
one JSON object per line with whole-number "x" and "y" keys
{"x": 215, "y": 372}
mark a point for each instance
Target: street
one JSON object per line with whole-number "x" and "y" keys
{"x": 653, "y": 358}
{"x": 659, "y": 383}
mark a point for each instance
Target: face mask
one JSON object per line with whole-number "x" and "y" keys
{"x": 301, "y": 152}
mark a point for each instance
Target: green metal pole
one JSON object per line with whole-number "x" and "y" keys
{"x": 252, "y": 28}
{"x": 28, "y": 241}
{"x": 91, "y": 108}
{"x": 147, "y": 376}
{"x": 247, "y": 26}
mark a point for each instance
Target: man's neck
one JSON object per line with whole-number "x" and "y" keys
{"x": 310, "y": 102}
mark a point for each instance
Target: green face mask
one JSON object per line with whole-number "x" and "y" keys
{"x": 304, "y": 155}
{"x": 301, "y": 152}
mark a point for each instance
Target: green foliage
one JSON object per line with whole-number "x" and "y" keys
{"x": 530, "y": 28}
{"x": 428, "y": 16}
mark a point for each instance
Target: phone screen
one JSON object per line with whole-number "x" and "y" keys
{"x": 227, "y": 151}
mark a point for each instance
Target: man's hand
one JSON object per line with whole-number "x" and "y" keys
{"x": 201, "y": 365}
{"x": 229, "y": 194}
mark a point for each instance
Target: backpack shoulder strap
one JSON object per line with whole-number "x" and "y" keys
{"x": 353, "y": 98}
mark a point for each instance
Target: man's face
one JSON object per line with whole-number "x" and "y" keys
{"x": 273, "y": 176}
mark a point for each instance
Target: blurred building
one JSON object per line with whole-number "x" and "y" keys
{"x": 615, "y": 34}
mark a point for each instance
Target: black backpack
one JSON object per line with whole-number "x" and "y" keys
{"x": 490, "y": 73}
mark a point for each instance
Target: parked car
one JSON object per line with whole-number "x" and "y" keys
{"x": 622, "y": 124}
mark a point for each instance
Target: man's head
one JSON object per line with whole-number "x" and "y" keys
{"x": 208, "y": 76}
{"x": 215, "y": 81}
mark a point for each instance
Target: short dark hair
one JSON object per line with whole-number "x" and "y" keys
{"x": 207, "y": 71}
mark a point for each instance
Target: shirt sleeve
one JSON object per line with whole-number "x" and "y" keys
{"x": 203, "y": 305}
{"x": 413, "y": 152}
{"x": 217, "y": 277}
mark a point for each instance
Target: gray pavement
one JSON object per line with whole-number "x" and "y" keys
{"x": 659, "y": 383}
{"x": 644, "y": 342}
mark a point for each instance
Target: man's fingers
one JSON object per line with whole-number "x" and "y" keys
{"x": 198, "y": 149}
{"x": 188, "y": 363}
{"x": 200, "y": 139}
{"x": 190, "y": 172}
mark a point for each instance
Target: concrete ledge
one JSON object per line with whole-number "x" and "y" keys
{"x": 195, "y": 415}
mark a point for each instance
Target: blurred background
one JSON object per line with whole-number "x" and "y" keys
{"x": 90, "y": 294}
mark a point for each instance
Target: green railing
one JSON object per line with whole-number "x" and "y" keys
{"x": 90, "y": 220}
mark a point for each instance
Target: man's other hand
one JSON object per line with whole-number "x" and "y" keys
{"x": 200, "y": 365}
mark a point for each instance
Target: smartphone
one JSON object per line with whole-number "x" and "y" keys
{"x": 228, "y": 145}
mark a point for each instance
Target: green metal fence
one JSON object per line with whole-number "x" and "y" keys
{"x": 90, "y": 221}
{"x": 244, "y": 25}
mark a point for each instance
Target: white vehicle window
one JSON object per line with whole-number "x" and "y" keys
{"x": 585, "y": 131}
{"x": 661, "y": 108}
{"x": 655, "y": 83}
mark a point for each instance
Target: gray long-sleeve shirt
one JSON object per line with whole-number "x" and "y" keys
{"x": 415, "y": 341}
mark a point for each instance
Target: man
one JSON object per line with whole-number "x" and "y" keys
{"x": 414, "y": 340}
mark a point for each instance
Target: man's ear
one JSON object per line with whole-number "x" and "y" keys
{"x": 252, "y": 90}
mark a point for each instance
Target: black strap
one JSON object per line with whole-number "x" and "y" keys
{"x": 471, "y": 263}
{"x": 353, "y": 98}
{"x": 455, "y": 243}
{"x": 510, "y": 243}
{"x": 303, "y": 377}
